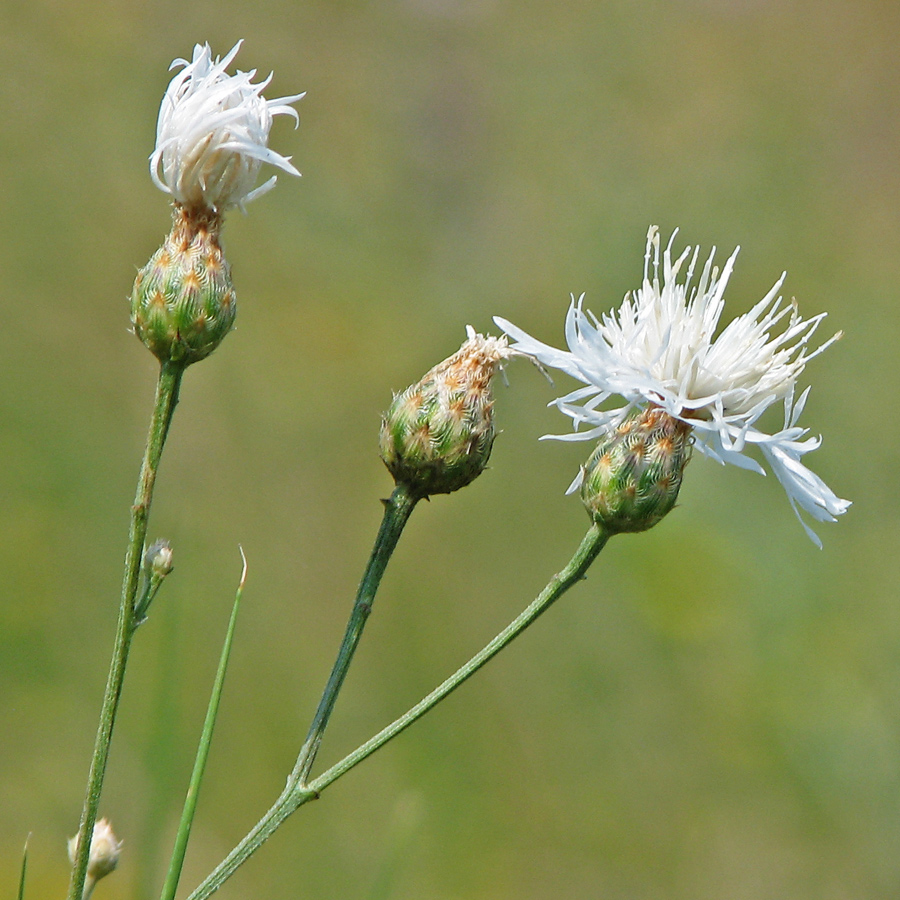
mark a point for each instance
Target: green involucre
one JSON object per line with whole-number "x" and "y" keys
{"x": 631, "y": 480}
{"x": 183, "y": 302}
{"x": 437, "y": 440}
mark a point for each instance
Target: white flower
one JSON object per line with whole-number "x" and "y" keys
{"x": 212, "y": 134}
{"x": 660, "y": 348}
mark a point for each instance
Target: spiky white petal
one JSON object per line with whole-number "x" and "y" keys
{"x": 213, "y": 131}
{"x": 660, "y": 348}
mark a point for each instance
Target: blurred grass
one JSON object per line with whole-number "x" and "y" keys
{"x": 714, "y": 713}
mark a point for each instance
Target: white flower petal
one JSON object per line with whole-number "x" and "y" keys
{"x": 212, "y": 134}
{"x": 660, "y": 348}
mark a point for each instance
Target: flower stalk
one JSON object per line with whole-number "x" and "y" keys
{"x": 167, "y": 390}
{"x": 397, "y": 510}
{"x": 296, "y": 794}
{"x": 573, "y": 572}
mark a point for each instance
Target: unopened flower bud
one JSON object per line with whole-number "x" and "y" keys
{"x": 183, "y": 302}
{"x": 157, "y": 565}
{"x": 632, "y": 478}
{"x": 104, "y": 854}
{"x": 158, "y": 559}
{"x": 437, "y": 435}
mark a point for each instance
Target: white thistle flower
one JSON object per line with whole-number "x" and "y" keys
{"x": 659, "y": 348}
{"x": 212, "y": 134}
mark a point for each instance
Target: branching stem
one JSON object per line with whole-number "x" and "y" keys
{"x": 297, "y": 793}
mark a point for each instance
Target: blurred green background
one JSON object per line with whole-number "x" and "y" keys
{"x": 714, "y": 714}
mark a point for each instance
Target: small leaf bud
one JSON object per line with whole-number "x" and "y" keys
{"x": 438, "y": 434}
{"x": 632, "y": 478}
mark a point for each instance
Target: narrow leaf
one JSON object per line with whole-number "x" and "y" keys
{"x": 22, "y": 873}
{"x": 190, "y": 801}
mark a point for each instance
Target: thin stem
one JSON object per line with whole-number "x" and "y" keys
{"x": 286, "y": 804}
{"x": 573, "y": 572}
{"x": 397, "y": 510}
{"x": 167, "y": 387}
{"x": 296, "y": 794}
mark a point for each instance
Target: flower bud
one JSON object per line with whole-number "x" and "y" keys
{"x": 632, "y": 478}
{"x": 183, "y": 302}
{"x": 158, "y": 559}
{"x": 437, "y": 435}
{"x": 103, "y": 857}
{"x": 157, "y": 565}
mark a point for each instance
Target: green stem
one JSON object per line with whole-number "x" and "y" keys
{"x": 296, "y": 793}
{"x": 286, "y": 804}
{"x": 573, "y": 572}
{"x": 397, "y": 510}
{"x": 167, "y": 387}
{"x": 21, "y": 894}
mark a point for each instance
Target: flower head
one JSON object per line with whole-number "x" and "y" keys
{"x": 438, "y": 433}
{"x": 212, "y": 134}
{"x": 660, "y": 348}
